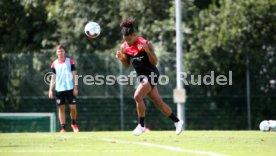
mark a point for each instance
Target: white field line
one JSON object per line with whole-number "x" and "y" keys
{"x": 61, "y": 151}
{"x": 171, "y": 148}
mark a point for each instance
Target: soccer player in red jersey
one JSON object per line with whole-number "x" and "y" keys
{"x": 63, "y": 79}
{"x": 140, "y": 53}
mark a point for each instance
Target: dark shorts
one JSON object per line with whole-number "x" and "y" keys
{"x": 65, "y": 95}
{"x": 152, "y": 80}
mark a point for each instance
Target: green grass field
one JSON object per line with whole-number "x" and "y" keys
{"x": 154, "y": 143}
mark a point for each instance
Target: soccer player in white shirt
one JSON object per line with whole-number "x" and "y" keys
{"x": 66, "y": 89}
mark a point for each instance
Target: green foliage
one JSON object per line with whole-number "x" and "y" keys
{"x": 71, "y": 18}
{"x": 219, "y": 35}
{"x": 23, "y": 26}
{"x": 225, "y": 35}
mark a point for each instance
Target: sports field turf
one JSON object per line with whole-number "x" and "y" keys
{"x": 154, "y": 143}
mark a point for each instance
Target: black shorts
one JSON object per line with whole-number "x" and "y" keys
{"x": 68, "y": 95}
{"x": 152, "y": 80}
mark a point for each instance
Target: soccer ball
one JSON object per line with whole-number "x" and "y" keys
{"x": 264, "y": 126}
{"x": 92, "y": 29}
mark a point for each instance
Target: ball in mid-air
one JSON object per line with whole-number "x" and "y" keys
{"x": 92, "y": 29}
{"x": 264, "y": 126}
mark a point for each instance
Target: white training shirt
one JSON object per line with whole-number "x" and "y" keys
{"x": 63, "y": 73}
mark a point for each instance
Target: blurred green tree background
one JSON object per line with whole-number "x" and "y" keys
{"x": 218, "y": 35}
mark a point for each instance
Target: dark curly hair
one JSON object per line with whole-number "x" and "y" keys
{"x": 127, "y": 26}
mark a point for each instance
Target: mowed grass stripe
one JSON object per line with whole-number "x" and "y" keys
{"x": 153, "y": 143}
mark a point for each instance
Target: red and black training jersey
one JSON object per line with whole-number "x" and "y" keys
{"x": 139, "y": 58}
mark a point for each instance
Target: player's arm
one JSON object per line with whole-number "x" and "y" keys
{"x": 125, "y": 62}
{"x": 148, "y": 47}
{"x": 122, "y": 57}
{"x": 52, "y": 84}
{"x": 75, "y": 79}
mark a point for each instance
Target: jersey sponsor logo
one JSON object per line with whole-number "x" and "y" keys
{"x": 140, "y": 46}
{"x": 137, "y": 58}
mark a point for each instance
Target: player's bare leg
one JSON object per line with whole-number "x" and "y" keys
{"x": 142, "y": 90}
{"x": 73, "y": 111}
{"x": 165, "y": 108}
{"x": 62, "y": 119}
{"x": 73, "y": 114}
{"x": 157, "y": 100}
